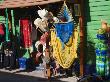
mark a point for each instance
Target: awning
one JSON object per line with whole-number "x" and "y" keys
{"x": 24, "y": 3}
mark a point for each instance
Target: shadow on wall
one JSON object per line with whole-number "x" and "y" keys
{"x": 9, "y": 77}
{"x": 90, "y": 58}
{"x": 87, "y": 17}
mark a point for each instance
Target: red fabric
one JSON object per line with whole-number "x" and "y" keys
{"x": 2, "y": 29}
{"x": 26, "y": 31}
{"x": 38, "y": 54}
{"x": 43, "y": 38}
{"x": 38, "y": 57}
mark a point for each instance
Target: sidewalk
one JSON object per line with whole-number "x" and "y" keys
{"x": 34, "y": 76}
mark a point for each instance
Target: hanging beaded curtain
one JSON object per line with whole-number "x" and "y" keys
{"x": 64, "y": 35}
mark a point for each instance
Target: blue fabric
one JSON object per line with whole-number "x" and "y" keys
{"x": 22, "y": 63}
{"x": 65, "y": 15}
{"x": 101, "y": 36}
{"x": 101, "y": 51}
{"x": 64, "y": 31}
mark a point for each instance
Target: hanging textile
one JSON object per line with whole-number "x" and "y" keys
{"x": 64, "y": 56}
{"x": 2, "y": 33}
{"x": 7, "y": 27}
{"x": 64, "y": 31}
{"x": 2, "y": 29}
{"x": 65, "y": 15}
{"x": 42, "y": 41}
{"x": 102, "y": 55}
{"x": 64, "y": 38}
{"x": 65, "y": 26}
{"x": 9, "y": 54}
{"x": 13, "y": 27}
{"x": 26, "y": 54}
{"x": 44, "y": 38}
{"x": 25, "y": 29}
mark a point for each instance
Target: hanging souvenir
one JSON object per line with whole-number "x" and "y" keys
{"x": 7, "y": 27}
{"x": 66, "y": 26}
{"x": 2, "y": 29}
{"x": 42, "y": 22}
{"x": 64, "y": 31}
{"x": 25, "y": 29}
{"x": 64, "y": 38}
{"x": 102, "y": 55}
{"x": 42, "y": 41}
{"x": 44, "y": 38}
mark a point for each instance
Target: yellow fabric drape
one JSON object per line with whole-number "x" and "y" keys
{"x": 64, "y": 56}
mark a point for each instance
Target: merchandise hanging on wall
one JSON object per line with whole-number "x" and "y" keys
{"x": 102, "y": 55}
{"x": 42, "y": 22}
{"x": 64, "y": 38}
{"x": 25, "y": 32}
{"x": 7, "y": 27}
{"x": 2, "y": 29}
{"x": 2, "y": 32}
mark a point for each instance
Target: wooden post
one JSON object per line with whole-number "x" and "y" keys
{"x": 81, "y": 22}
{"x": 47, "y": 53}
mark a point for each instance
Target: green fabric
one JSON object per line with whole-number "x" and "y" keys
{"x": 13, "y": 27}
{"x": 27, "y": 54}
{"x": 18, "y": 30}
{"x": 102, "y": 62}
{"x": 7, "y": 30}
{"x": 0, "y": 45}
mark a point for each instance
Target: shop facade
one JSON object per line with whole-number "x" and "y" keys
{"x": 87, "y": 16}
